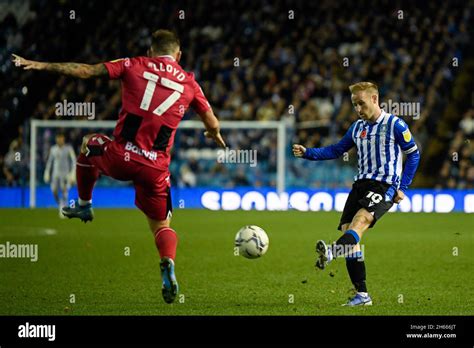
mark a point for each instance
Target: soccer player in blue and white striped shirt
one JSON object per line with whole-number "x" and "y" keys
{"x": 381, "y": 140}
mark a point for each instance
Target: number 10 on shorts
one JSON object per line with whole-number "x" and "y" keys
{"x": 374, "y": 197}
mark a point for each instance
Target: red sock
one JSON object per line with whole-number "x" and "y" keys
{"x": 166, "y": 241}
{"x": 87, "y": 175}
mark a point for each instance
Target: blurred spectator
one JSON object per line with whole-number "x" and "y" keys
{"x": 187, "y": 178}
{"x": 14, "y": 166}
{"x": 458, "y": 170}
{"x": 253, "y": 62}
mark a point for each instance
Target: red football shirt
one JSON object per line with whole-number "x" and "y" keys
{"x": 156, "y": 92}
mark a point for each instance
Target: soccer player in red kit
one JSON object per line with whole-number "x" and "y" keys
{"x": 156, "y": 92}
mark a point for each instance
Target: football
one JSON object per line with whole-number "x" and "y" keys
{"x": 251, "y": 241}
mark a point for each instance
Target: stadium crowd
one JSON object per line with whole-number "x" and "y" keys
{"x": 457, "y": 170}
{"x": 255, "y": 60}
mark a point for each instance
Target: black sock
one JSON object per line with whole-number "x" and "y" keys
{"x": 356, "y": 269}
{"x": 349, "y": 238}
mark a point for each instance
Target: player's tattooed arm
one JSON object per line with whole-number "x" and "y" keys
{"x": 82, "y": 71}
{"x": 79, "y": 70}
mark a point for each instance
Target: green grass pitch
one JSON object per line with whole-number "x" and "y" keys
{"x": 417, "y": 264}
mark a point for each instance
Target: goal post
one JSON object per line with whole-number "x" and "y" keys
{"x": 278, "y": 126}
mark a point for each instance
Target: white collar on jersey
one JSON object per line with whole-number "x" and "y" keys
{"x": 379, "y": 119}
{"x": 166, "y": 56}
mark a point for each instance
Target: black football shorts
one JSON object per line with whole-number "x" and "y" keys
{"x": 368, "y": 194}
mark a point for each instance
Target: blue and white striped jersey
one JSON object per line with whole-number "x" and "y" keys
{"x": 379, "y": 150}
{"x": 379, "y": 147}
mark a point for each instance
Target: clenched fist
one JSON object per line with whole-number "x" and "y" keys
{"x": 399, "y": 197}
{"x": 298, "y": 150}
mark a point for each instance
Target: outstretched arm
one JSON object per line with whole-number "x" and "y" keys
{"x": 79, "y": 70}
{"x": 327, "y": 152}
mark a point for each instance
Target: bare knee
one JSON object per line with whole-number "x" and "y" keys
{"x": 85, "y": 140}
{"x": 155, "y": 225}
{"x": 361, "y": 221}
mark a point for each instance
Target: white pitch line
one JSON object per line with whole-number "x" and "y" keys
{"x": 17, "y": 231}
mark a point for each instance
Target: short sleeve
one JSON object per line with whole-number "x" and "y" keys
{"x": 200, "y": 104}
{"x": 117, "y": 67}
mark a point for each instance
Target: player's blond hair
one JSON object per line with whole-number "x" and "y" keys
{"x": 364, "y": 86}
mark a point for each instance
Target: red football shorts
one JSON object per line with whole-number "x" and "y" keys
{"x": 152, "y": 186}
